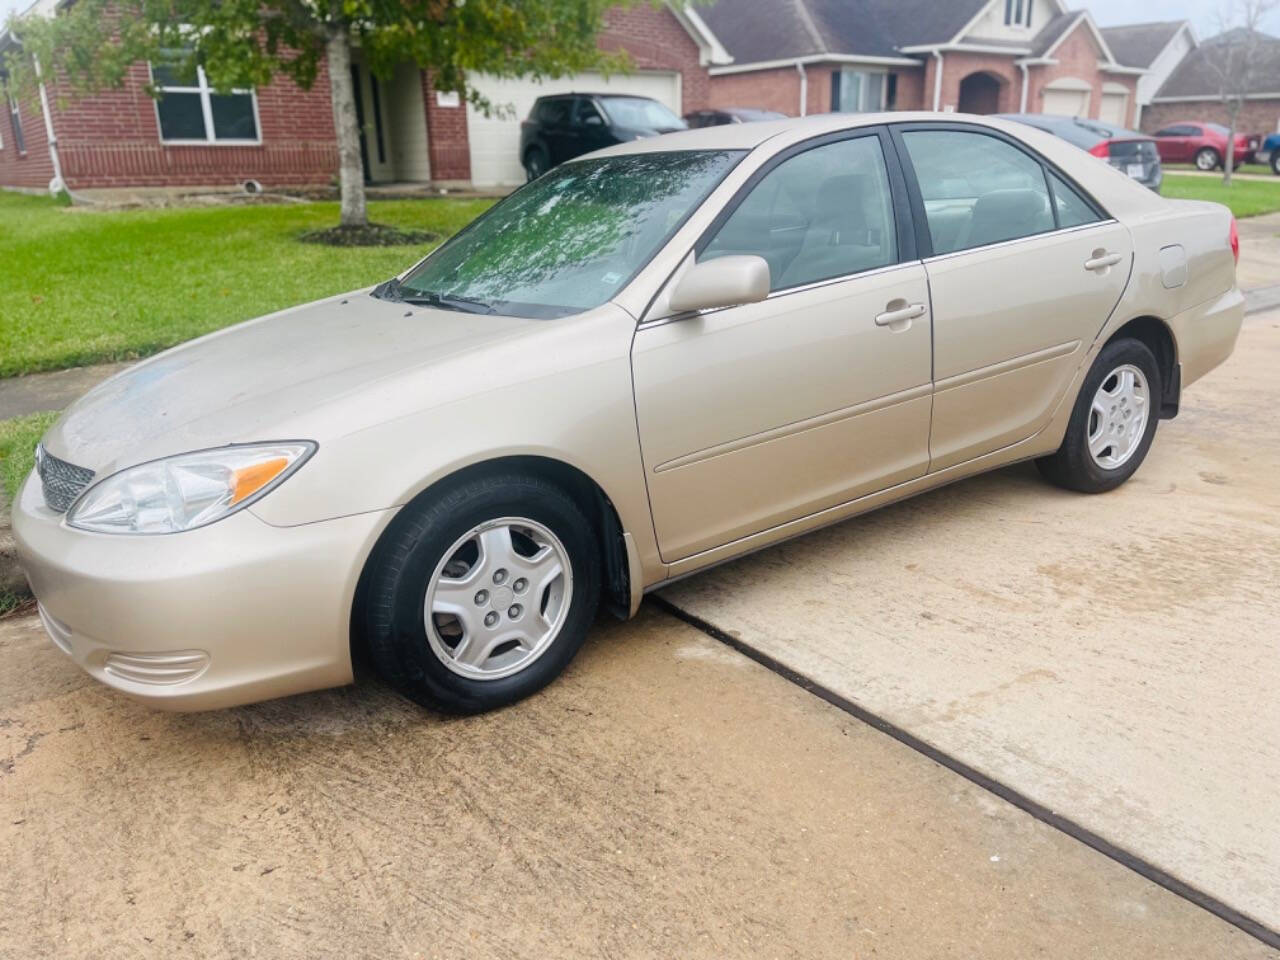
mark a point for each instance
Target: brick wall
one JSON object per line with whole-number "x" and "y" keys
{"x": 779, "y": 89}
{"x": 33, "y": 169}
{"x": 656, "y": 41}
{"x": 448, "y": 148}
{"x": 1257, "y": 116}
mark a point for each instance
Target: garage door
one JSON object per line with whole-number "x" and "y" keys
{"x": 1112, "y": 109}
{"x": 1067, "y": 103}
{"x": 495, "y": 143}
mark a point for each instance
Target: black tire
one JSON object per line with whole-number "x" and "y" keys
{"x": 393, "y": 619}
{"x": 535, "y": 163}
{"x": 1072, "y": 466}
{"x": 1275, "y": 163}
{"x": 1207, "y": 158}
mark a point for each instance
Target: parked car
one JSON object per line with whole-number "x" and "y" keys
{"x": 1131, "y": 152}
{"x": 723, "y": 115}
{"x": 648, "y": 361}
{"x": 1204, "y": 144}
{"x": 1269, "y": 152}
{"x": 565, "y": 126}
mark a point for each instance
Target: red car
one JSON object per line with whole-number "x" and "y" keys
{"x": 1204, "y": 144}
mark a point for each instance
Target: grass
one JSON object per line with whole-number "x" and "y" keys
{"x": 1246, "y": 198}
{"x": 81, "y": 287}
{"x": 18, "y": 439}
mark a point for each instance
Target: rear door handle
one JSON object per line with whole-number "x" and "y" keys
{"x": 901, "y": 318}
{"x": 1102, "y": 262}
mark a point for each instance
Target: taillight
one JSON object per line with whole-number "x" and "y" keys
{"x": 1101, "y": 149}
{"x": 1234, "y": 235}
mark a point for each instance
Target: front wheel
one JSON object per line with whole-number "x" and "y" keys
{"x": 482, "y": 595}
{"x": 1113, "y": 421}
{"x": 1207, "y": 159}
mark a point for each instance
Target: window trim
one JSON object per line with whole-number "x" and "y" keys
{"x": 205, "y": 91}
{"x": 925, "y": 238}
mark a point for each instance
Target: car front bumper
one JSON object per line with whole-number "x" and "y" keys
{"x": 231, "y": 613}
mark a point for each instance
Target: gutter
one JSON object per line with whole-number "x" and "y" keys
{"x": 937, "y": 80}
{"x": 57, "y": 184}
{"x": 854, "y": 58}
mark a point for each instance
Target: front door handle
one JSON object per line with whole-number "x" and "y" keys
{"x": 899, "y": 319}
{"x": 1102, "y": 260}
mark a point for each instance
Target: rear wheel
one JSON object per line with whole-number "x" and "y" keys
{"x": 1113, "y": 421}
{"x": 1207, "y": 159}
{"x": 482, "y": 596}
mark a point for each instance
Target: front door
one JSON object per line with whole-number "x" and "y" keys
{"x": 1024, "y": 273}
{"x": 755, "y": 415}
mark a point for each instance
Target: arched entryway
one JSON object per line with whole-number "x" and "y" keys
{"x": 979, "y": 93}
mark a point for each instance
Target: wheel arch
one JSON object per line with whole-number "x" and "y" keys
{"x": 621, "y": 565}
{"x": 1159, "y": 339}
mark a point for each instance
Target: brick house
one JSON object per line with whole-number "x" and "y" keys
{"x": 1192, "y": 93}
{"x": 282, "y": 135}
{"x": 1157, "y": 48}
{"x": 970, "y": 56}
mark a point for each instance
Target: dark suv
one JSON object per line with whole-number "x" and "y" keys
{"x": 568, "y": 125}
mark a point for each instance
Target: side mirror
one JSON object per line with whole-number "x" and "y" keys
{"x": 722, "y": 282}
{"x": 592, "y": 120}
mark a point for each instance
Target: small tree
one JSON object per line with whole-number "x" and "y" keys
{"x": 1234, "y": 58}
{"x": 90, "y": 45}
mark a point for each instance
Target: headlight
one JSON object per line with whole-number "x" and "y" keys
{"x": 187, "y": 491}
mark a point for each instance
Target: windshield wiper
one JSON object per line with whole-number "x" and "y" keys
{"x": 429, "y": 298}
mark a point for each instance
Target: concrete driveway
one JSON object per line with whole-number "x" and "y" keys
{"x": 1114, "y": 658}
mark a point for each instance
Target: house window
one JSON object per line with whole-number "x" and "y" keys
{"x": 857, "y": 91}
{"x": 191, "y": 111}
{"x": 15, "y": 123}
{"x": 1017, "y": 13}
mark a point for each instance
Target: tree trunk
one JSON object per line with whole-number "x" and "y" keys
{"x": 342, "y": 93}
{"x": 1229, "y": 163}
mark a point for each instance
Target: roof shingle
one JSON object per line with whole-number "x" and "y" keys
{"x": 1138, "y": 44}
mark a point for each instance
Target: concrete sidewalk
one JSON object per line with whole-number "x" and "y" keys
{"x": 1114, "y": 658}
{"x": 666, "y": 798}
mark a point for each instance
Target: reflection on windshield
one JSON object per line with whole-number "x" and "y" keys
{"x": 571, "y": 239}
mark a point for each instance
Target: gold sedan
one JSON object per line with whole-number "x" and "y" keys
{"x": 647, "y": 361}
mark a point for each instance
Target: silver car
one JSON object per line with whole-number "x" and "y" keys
{"x": 650, "y": 360}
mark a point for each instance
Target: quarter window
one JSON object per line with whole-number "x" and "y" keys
{"x": 190, "y": 110}
{"x": 977, "y": 189}
{"x": 821, "y": 214}
{"x": 1072, "y": 209}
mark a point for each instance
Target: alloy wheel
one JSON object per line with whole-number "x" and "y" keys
{"x": 498, "y": 598}
{"x": 1118, "y": 416}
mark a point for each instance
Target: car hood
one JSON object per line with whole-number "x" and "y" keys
{"x": 280, "y": 377}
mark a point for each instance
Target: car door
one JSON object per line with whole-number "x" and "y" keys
{"x": 1171, "y": 143}
{"x": 758, "y": 414}
{"x": 555, "y": 116}
{"x": 1023, "y": 269}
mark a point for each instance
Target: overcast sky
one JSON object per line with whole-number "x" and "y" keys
{"x": 1107, "y": 12}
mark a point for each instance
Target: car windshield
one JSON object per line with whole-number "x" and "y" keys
{"x": 640, "y": 113}
{"x": 568, "y": 241}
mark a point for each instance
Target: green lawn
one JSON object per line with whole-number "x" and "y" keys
{"x": 1246, "y": 198}
{"x": 80, "y": 287}
{"x": 18, "y": 439}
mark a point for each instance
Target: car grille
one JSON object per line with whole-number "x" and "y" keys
{"x": 62, "y": 482}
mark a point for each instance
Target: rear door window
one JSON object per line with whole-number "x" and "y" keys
{"x": 977, "y": 189}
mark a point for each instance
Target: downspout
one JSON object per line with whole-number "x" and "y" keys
{"x": 804, "y": 89}
{"x": 57, "y": 184}
{"x": 1022, "y": 103}
{"x": 937, "y": 80}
